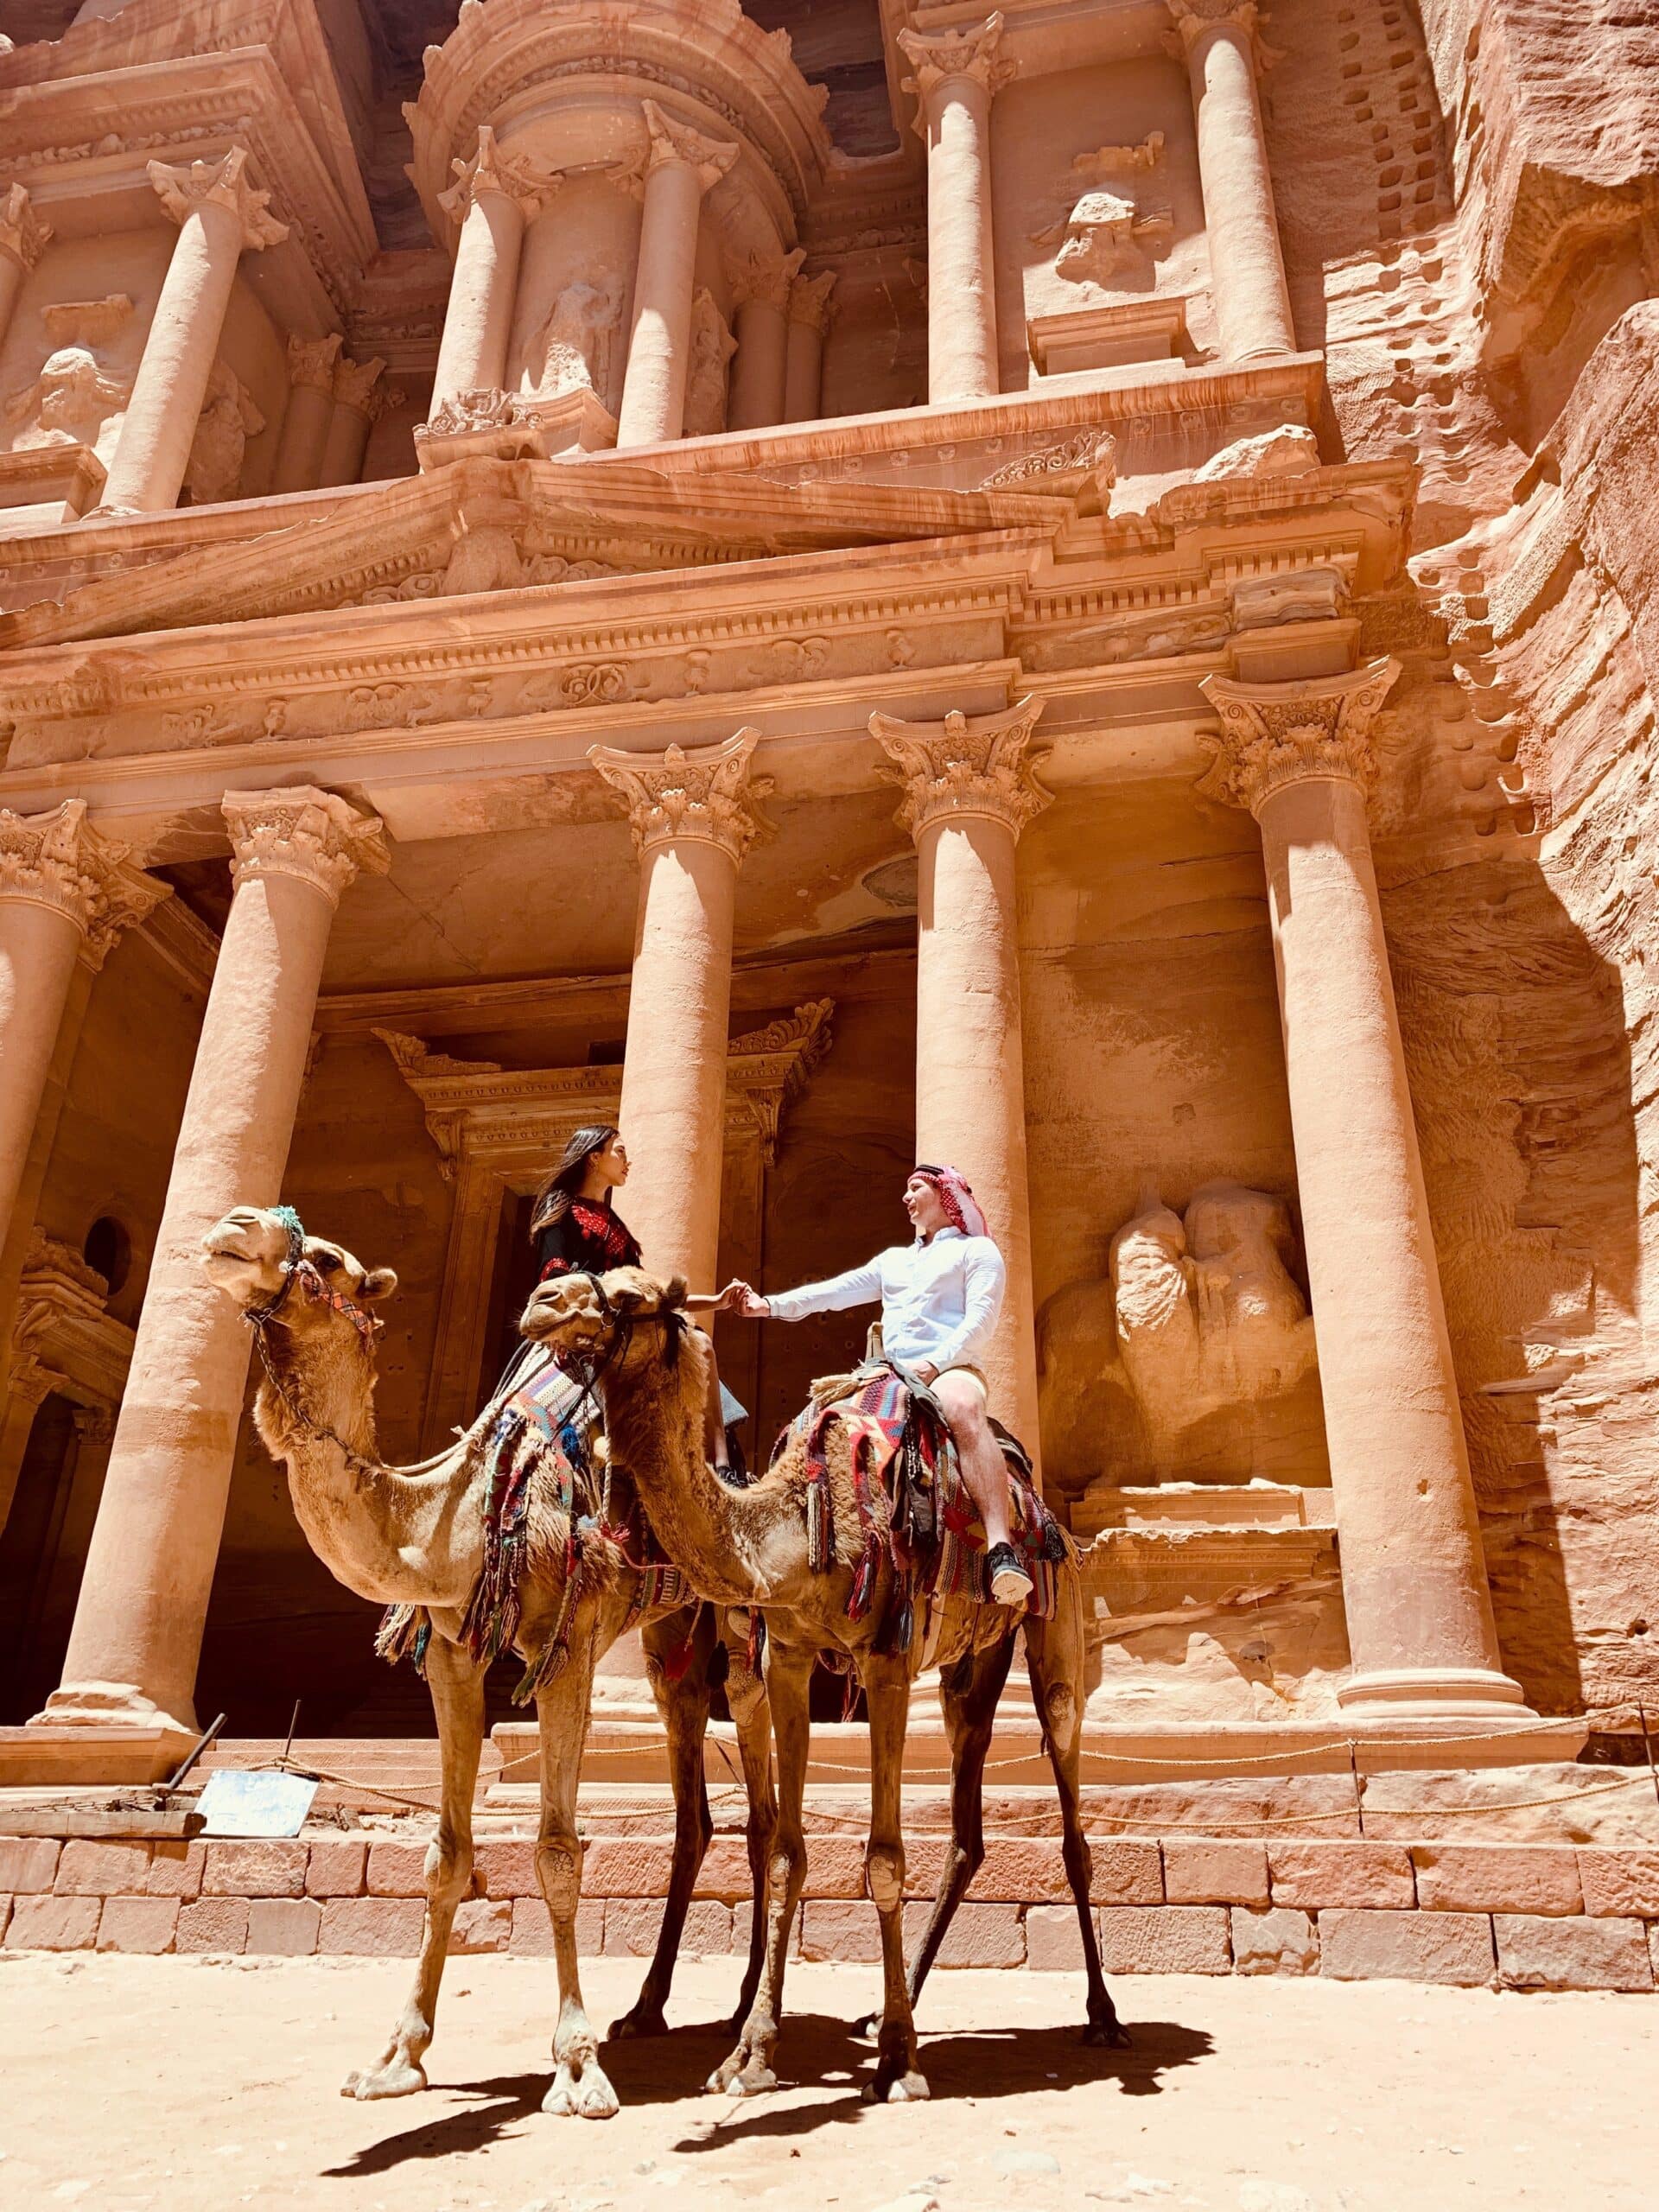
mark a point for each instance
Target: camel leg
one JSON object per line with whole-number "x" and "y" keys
{"x": 684, "y": 1706}
{"x": 457, "y": 1689}
{"x": 580, "y": 2087}
{"x": 1054, "y": 1656}
{"x": 746, "y": 1694}
{"x": 748, "y": 2072}
{"x": 887, "y": 1691}
{"x": 970, "y": 1693}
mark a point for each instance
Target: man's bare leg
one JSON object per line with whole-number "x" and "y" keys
{"x": 986, "y": 1474}
{"x": 713, "y": 1427}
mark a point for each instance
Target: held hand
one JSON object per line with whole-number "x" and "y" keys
{"x": 739, "y": 1297}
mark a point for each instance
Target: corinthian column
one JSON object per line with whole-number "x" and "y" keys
{"x": 957, "y": 73}
{"x": 809, "y": 312}
{"x": 1413, "y": 1579}
{"x": 358, "y": 397}
{"x": 23, "y": 239}
{"x": 970, "y": 789}
{"x": 144, "y": 1598}
{"x": 65, "y": 893}
{"x": 1247, "y": 269}
{"x": 310, "y": 410}
{"x": 219, "y": 215}
{"x": 761, "y": 287}
{"x": 682, "y": 166}
{"x": 694, "y": 816}
{"x": 492, "y": 200}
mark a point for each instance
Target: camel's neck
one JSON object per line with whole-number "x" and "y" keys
{"x": 389, "y": 1533}
{"x": 653, "y": 1419}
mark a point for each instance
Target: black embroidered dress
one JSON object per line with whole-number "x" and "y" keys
{"x": 589, "y": 1238}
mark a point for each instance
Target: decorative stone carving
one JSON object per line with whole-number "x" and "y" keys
{"x": 74, "y": 394}
{"x": 58, "y": 860}
{"x": 357, "y": 384}
{"x": 468, "y": 410}
{"x": 228, "y": 419}
{"x": 224, "y": 184}
{"x": 62, "y": 1336}
{"x": 314, "y": 835}
{"x": 22, "y": 235}
{"x": 1109, "y": 230}
{"x": 767, "y": 278}
{"x": 709, "y": 794}
{"x": 491, "y": 170}
{"x": 1291, "y": 450}
{"x": 712, "y": 348}
{"x": 965, "y": 764}
{"x": 572, "y": 350}
{"x": 1060, "y": 467}
{"x": 311, "y": 362}
{"x": 936, "y": 56}
{"x": 808, "y": 301}
{"x": 673, "y": 141}
{"x": 1192, "y": 18}
{"x": 1277, "y": 734}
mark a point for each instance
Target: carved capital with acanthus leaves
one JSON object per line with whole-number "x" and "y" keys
{"x": 22, "y": 235}
{"x": 708, "y": 795}
{"x": 491, "y": 170}
{"x": 313, "y": 834}
{"x": 355, "y": 383}
{"x": 938, "y": 57}
{"x": 59, "y": 862}
{"x": 1196, "y": 19}
{"x": 966, "y": 765}
{"x": 675, "y": 141}
{"x": 810, "y": 303}
{"x": 1276, "y": 734}
{"x": 184, "y": 191}
{"x": 764, "y": 279}
{"x": 311, "y": 362}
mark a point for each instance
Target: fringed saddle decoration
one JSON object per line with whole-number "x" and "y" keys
{"x": 914, "y": 1508}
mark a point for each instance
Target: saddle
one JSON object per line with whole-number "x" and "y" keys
{"x": 916, "y": 1516}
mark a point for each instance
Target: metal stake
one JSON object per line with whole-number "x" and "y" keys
{"x": 1353, "y": 1769}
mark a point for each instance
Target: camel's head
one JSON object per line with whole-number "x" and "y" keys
{"x": 608, "y": 1320}
{"x": 260, "y": 1257}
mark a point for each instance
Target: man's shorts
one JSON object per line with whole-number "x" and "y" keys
{"x": 974, "y": 1375}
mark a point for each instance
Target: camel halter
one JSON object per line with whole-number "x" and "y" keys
{"x": 297, "y": 1268}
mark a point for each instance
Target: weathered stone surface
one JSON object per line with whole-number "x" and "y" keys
{"x": 1625, "y": 1884}
{"x": 482, "y": 1924}
{"x": 138, "y": 1924}
{"x": 1178, "y": 1939}
{"x": 1364, "y": 1946}
{"x": 284, "y": 1927}
{"x": 254, "y": 1870}
{"x": 1054, "y": 1939}
{"x": 834, "y": 1927}
{"x": 532, "y": 1929}
{"x": 373, "y": 1927}
{"x": 97, "y": 1869}
{"x": 336, "y": 1870}
{"x": 1209, "y": 1871}
{"x": 630, "y": 1926}
{"x": 1280, "y": 1941}
{"x": 504, "y": 1869}
{"x": 39, "y": 1922}
{"x": 175, "y": 1870}
{"x": 1125, "y": 1872}
{"x": 1364, "y": 1875}
{"x": 979, "y": 1935}
{"x": 1584, "y": 1953}
{"x": 28, "y": 1865}
{"x": 213, "y": 1924}
{"x": 1496, "y": 1878}
{"x": 396, "y": 1870}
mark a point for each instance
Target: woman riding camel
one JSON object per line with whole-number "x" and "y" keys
{"x": 940, "y": 1298}
{"x": 576, "y": 1230}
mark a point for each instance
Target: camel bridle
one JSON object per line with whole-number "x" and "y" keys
{"x": 297, "y": 1267}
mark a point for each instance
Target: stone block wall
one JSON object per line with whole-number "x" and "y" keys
{"x": 1507, "y": 1916}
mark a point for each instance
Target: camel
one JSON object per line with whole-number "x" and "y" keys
{"x": 750, "y": 1548}
{"x": 415, "y": 1537}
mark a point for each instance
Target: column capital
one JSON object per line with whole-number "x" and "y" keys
{"x": 22, "y": 235}
{"x": 354, "y": 386}
{"x": 311, "y": 362}
{"x": 313, "y": 834}
{"x": 224, "y": 184}
{"x": 1192, "y": 19}
{"x": 965, "y": 764}
{"x": 671, "y": 141}
{"x": 491, "y": 170}
{"x": 937, "y": 56}
{"x": 808, "y": 301}
{"x": 59, "y": 862}
{"x": 767, "y": 278}
{"x": 1275, "y": 735}
{"x": 708, "y": 795}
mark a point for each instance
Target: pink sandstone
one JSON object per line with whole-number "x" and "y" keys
{"x": 1361, "y": 1874}
{"x": 980, "y": 1934}
{"x": 287, "y": 1927}
{"x": 53, "y": 1923}
{"x": 1279, "y": 1941}
{"x": 138, "y": 1924}
{"x": 98, "y": 1869}
{"x": 1582, "y": 1953}
{"x": 1622, "y": 1882}
{"x": 1361, "y": 1946}
{"x": 28, "y": 1865}
{"x": 1201, "y": 1871}
{"x": 215, "y": 1924}
{"x": 335, "y": 1870}
{"x": 1490, "y": 1877}
{"x": 1181, "y": 1939}
{"x": 255, "y": 1870}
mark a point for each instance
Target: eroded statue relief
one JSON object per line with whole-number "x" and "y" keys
{"x": 228, "y": 419}
{"x": 572, "y": 350}
{"x": 712, "y": 348}
{"x": 75, "y": 395}
{"x": 1195, "y": 1358}
{"x": 1111, "y": 233}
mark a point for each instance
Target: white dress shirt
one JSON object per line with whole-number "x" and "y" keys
{"x": 939, "y": 1300}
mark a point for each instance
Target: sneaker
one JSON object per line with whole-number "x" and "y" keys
{"x": 1010, "y": 1584}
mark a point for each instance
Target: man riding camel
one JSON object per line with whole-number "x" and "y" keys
{"x": 940, "y": 1298}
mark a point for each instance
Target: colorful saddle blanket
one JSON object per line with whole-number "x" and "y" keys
{"x": 914, "y": 1508}
{"x": 545, "y": 1425}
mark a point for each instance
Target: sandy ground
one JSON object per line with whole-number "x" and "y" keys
{"x": 178, "y": 2084}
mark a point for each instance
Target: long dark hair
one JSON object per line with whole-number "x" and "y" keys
{"x": 553, "y": 1199}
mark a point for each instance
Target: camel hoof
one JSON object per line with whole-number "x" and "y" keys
{"x": 902, "y": 2090}
{"x": 398, "y": 2077}
{"x": 643, "y": 2020}
{"x": 1108, "y": 2034}
{"x": 595, "y": 2098}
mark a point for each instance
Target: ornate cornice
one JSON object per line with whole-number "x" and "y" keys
{"x": 1276, "y": 734}
{"x": 491, "y": 170}
{"x": 59, "y": 862}
{"x": 223, "y": 184}
{"x": 808, "y": 301}
{"x": 672, "y": 141}
{"x": 311, "y": 362}
{"x": 313, "y": 834}
{"x": 708, "y": 795}
{"x": 936, "y": 57}
{"x": 766, "y": 278}
{"x": 62, "y": 1338}
{"x": 22, "y": 235}
{"x": 965, "y": 764}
